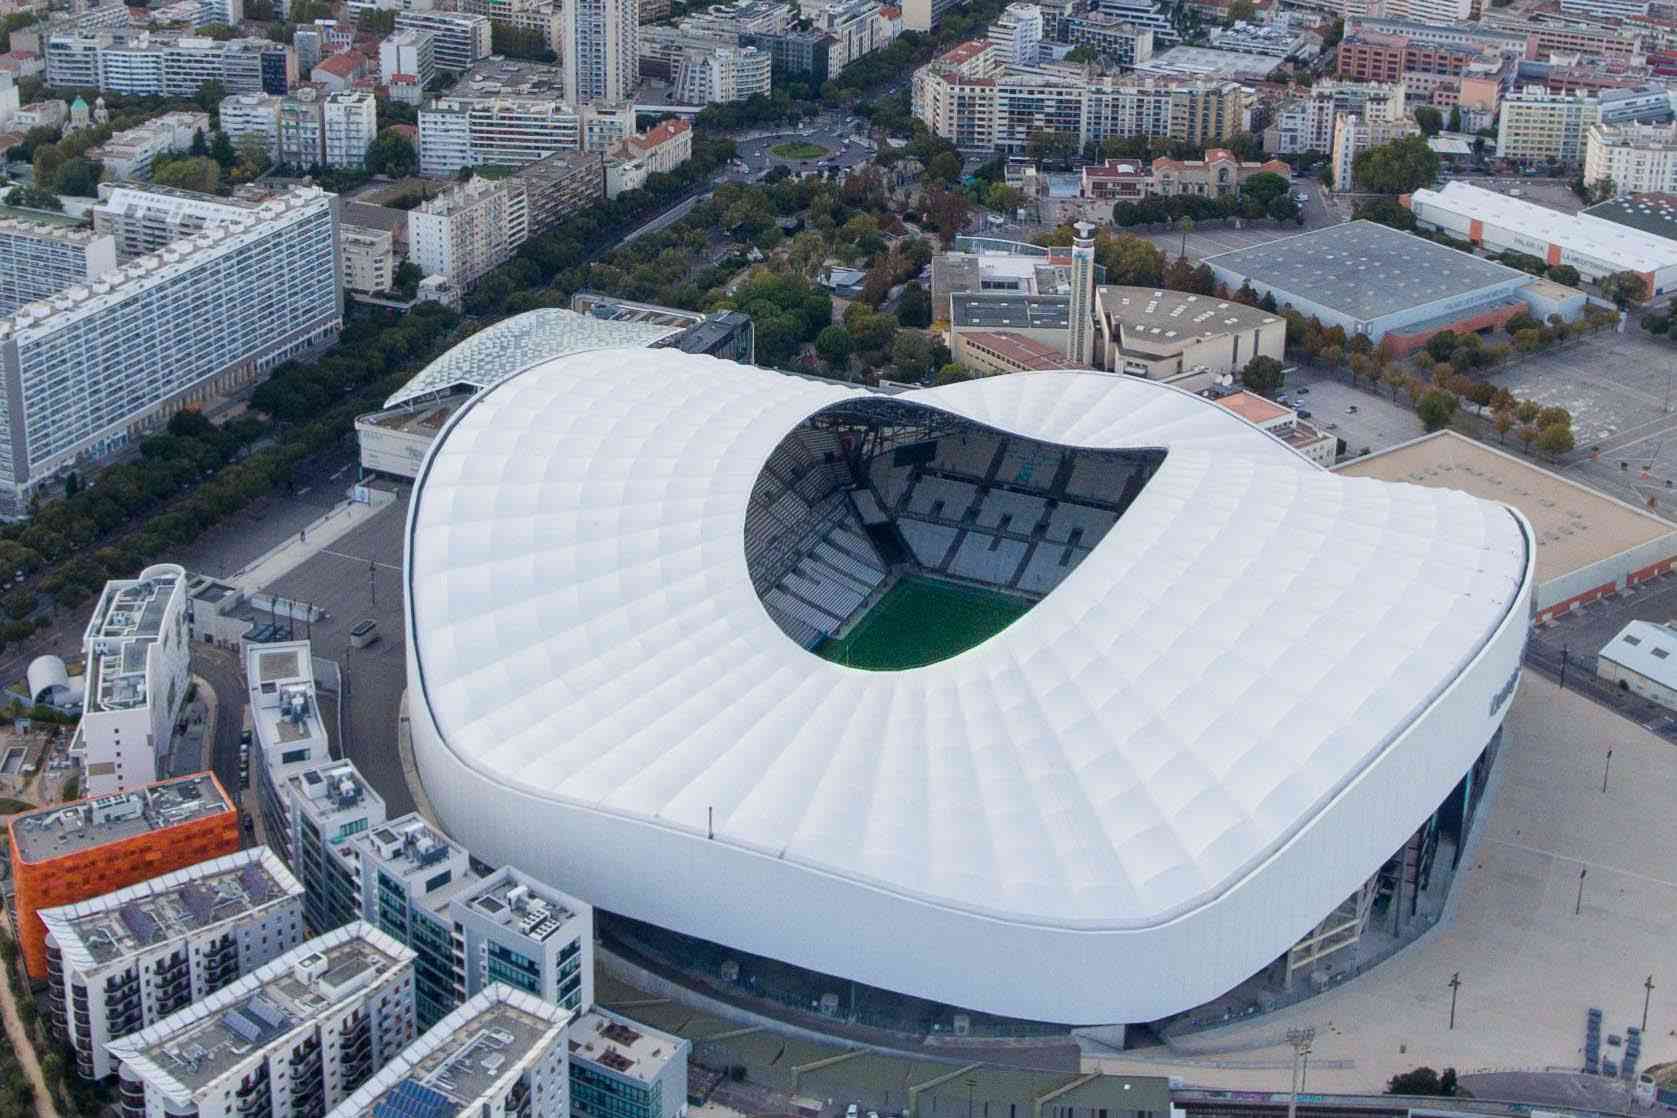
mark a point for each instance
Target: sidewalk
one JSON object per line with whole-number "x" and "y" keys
{"x": 317, "y": 537}
{"x": 410, "y": 770}
{"x": 26, "y": 1055}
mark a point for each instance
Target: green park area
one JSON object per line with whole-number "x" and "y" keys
{"x": 798, "y": 149}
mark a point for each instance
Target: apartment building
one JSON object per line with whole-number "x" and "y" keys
{"x": 459, "y": 39}
{"x": 142, "y": 64}
{"x": 1305, "y": 123}
{"x": 1608, "y": 9}
{"x": 1354, "y": 134}
{"x": 38, "y": 259}
{"x": 1117, "y": 42}
{"x": 720, "y": 74}
{"x": 256, "y": 115}
{"x": 925, "y": 15}
{"x": 1017, "y": 34}
{"x": 511, "y": 928}
{"x": 147, "y": 218}
{"x": 349, "y": 123}
{"x": 474, "y": 227}
{"x": 410, "y": 53}
{"x": 623, "y": 1069}
{"x": 562, "y": 184}
{"x": 297, "y": 1036}
{"x": 1619, "y": 43}
{"x": 287, "y": 732}
{"x": 661, "y": 48}
{"x": 853, "y": 25}
{"x": 130, "y": 153}
{"x": 801, "y": 55}
{"x": 1538, "y": 125}
{"x": 302, "y": 129}
{"x": 75, "y": 852}
{"x": 409, "y": 872}
{"x": 123, "y": 961}
{"x": 137, "y": 653}
{"x": 601, "y": 55}
{"x": 456, "y": 132}
{"x": 540, "y": 16}
{"x": 759, "y": 17}
{"x": 1638, "y": 158}
{"x": 369, "y": 259}
{"x": 330, "y": 804}
{"x": 101, "y": 364}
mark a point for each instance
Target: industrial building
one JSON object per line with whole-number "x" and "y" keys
{"x": 503, "y": 1052}
{"x": 1639, "y": 660}
{"x": 75, "y": 852}
{"x": 330, "y": 804}
{"x": 622, "y": 1069}
{"x": 516, "y": 930}
{"x": 1595, "y": 246}
{"x": 288, "y": 734}
{"x": 138, "y": 663}
{"x": 1589, "y": 545}
{"x": 1388, "y": 286}
{"x": 296, "y": 1036}
{"x": 204, "y": 315}
{"x": 1186, "y": 340}
{"x": 124, "y": 961}
{"x": 1128, "y": 519}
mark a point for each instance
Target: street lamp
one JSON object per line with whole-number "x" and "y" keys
{"x": 1566, "y": 651}
{"x": 1605, "y": 768}
{"x": 1455, "y": 984}
{"x": 1647, "y": 994}
{"x": 1579, "y": 907}
{"x": 1300, "y": 1040}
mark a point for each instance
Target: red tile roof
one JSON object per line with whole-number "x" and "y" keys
{"x": 342, "y": 65}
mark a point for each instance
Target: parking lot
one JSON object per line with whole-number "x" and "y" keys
{"x": 1376, "y": 423}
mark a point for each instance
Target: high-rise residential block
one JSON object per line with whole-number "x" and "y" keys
{"x": 462, "y": 234}
{"x": 457, "y": 132}
{"x": 623, "y": 1069}
{"x": 511, "y": 928}
{"x": 502, "y": 1053}
{"x": 138, "y": 658}
{"x": 142, "y": 64}
{"x": 255, "y": 115}
{"x": 287, "y": 732}
{"x": 409, "y": 871}
{"x": 350, "y": 123}
{"x": 1638, "y": 158}
{"x": 1538, "y": 125}
{"x": 143, "y": 218}
{"x": 74, "y": 852}
{"x": 601, "y": 55}
{"x": 408, "y": 52}
{"x": 330, "y": 804}
{"x": 128, "y": 959}
{"x": 98, "y": 365}
{"x": 295, "y": 1037}
{"x": 369, "y": 259}
{"x": 459, "y": 39}
{"x": 1305, "y": 123}
{"x": 1017, "y": 34}
{"x": 39, "y": 259}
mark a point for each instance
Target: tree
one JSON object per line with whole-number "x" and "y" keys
{"x": 1624, "y": 288}
{"x": 951, "y": 373}
{"x": 1282, "y": 208}
{"x": 221, "y": 150}
{"x": 1242, "y": 11}
{"x": 1436, "y": 409}
{"x": 1565, "y": 274}
{"x": 1442, "y": 344}
{"x": 1386, "y": 211}
{"x": 391, "y": 153}
{"x": 210, "y": 95}
{"x": 1456, "y": 118}
{"x": 1266, "y": 186}
{"x": 944, "y": 167}
{"x": 1263, "y": 375}
{"x": 914, "y": 306}
{"x": 834, "y": 344}
{"x": 79, "y": 178}
{"x": 200, "y": 146}
{"x": 253, "y": 159}
{"x": 47, "y": 161}
{"x": 1084, "y": 53}
{"x": 1602, "y": 189}
{"x": 1400, "y": 167}
{"x": 1555, "y": 439}
{"x": 1503, "y": 420}
{"x": 911, "y": 353}
{"x": 200, "y": 174}
{"x": 1430, "y": 119}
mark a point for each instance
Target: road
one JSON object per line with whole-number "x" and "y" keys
{"x": 833, "y": 133}
{"x": 665, "y": 220}
{"x": 220, "y": 668}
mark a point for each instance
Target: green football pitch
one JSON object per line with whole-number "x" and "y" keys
{"x": 921, "y": 621}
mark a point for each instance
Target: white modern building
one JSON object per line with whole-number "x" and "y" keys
{"x": 1306, "y": 122}
{"x": 601, "y": 55}
{"x": 369, "y": 259}
{"x": 144, "y": 218}
{"x": 142, "y": 64}
{"x": 1536, "y": 124}
{"x": 472, "y": 228}
{"x": 696, "y": 822}
{"x": 456, "y": 132}
{"x": 38, "y": 259}
{"x": 124, "y": 961}
{"x": 1595, "y": 246}
{"x": 253, "y": 114}
{"x": 100, "y": 364}
{"x": 1597, "y": 9}
{"x": 330, "y": 804}
{"x": 130, "y": 153}
{"x": 1017, "y": 34}
{"x": 459, "y": 39}
{"x": 296, "y": 1036}
{"x": 719, "y": 74}
{"x": 503, "y": 1052}
{"x": 349, "y": 122}
{"x": 1637, "y": 158}
{"x": 408, "y": 53}
{"x": 138, "y": 663}
{"x": 287, "y": 732}
{"x": 511, "y": 928}
{"x": 622, "y": 1069}
{"x": 409, "y": 871}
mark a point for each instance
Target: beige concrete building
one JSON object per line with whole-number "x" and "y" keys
{"x": 369, "y": 259}
{"x": 1002, "y": 351}
{"x": 1354, "y": 134}
{"x": 1536, "y": 124}
{"x": 1182, "y": 339}
{"x": 1639, "y": 158}
{"x": 1284, "y": 424}
{"x": 464, "y": 233}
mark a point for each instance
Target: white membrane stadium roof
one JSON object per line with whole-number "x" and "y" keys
{"x": 1251, "y": 636}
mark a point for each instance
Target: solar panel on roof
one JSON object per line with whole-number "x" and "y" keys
{"x": 414, "y": 1100}
{"x": 199, "y": 901}
{"x": 267, "y": 1012}
{"x": 241, "y": 1026}
{"x": 141, "y": 924}
{"x": 255, "y": 883}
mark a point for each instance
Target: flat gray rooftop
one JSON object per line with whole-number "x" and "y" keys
{"x": 522, "y": 904}
{"x": 629, "y": 1049}
{"x": 988, "y": 310}
{"x": 1155, "y": 313}
{"x": 1646, "y": 213}
{"x": 1363, "y": 270}
{"x": 54, "y": 832}
{"x": 474, "y": 1055}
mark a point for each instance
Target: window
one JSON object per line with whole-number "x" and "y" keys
{"x": 1661, "y": 654}
{"x": 1633, "y": 641}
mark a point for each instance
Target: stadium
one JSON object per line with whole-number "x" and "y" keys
{"x": 1054, "y": 698}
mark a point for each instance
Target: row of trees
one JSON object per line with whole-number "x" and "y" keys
{"x": 1265, "y": 195}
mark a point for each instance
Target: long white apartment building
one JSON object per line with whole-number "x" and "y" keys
{"x": 601, "y": 54}
{"x": 38, "y": 259}
{"x": 456, "y": 132}
{"x": 288, "y": 734}
{"x": 1305, "y": 123}
{"x": 458, "y": 39}
{"x": 100, "y": 364}
{"x": 540, "y": 16}
{"x": 305, "y": 127}
{"x": 462, "y": 234}
{"x": 296, "y": 1036}
{"x": 143, "y": 218}
{"x": 1613, "y": 9}
{"x": 511, "y": 928}
{"x": 121, "y": 962}
{"x": 143, "y": 64}
{"x": 1638, "y": 158}
{"x": 1537, "y": 124}
{"x": 138, "y": 658}
{"x": 502, "y": 1053}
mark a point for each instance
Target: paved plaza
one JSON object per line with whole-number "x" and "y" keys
{"x": 1378, "y": 422}
{"x": 1530, "y": 965}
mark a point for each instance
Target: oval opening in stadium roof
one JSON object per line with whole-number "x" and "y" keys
{"x": 886, "y": 535}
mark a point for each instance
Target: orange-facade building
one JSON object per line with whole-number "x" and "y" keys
{"x": 76, "y": 851}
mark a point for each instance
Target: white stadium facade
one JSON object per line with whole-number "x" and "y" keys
{"x": 1240, "y": 687}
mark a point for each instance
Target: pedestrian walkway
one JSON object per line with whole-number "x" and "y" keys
{"x": 410, "y": 769}
{"x": 26, "y": 1054}
{"x": 317, "y": 537}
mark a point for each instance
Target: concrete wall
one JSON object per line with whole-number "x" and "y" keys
{"x": 1608, "y": 576}
{"x": 1636, "y": 682}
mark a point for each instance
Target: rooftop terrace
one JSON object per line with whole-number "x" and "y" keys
{"x": 126, "y": 622}
{"x": 616, "y": 1043}
{"x": 514, "y": 900}
{"x": 54, "y": 832}
{"x": 117, "y": 925}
